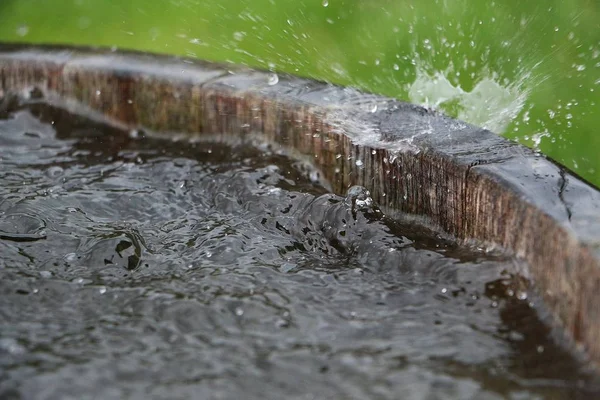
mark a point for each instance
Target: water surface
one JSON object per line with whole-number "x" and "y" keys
{"x": 133, "y": 267}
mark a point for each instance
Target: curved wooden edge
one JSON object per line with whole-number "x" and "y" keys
{"x": 467, "y": 181}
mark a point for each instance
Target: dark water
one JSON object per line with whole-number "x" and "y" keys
{"x": 138, "y": 268}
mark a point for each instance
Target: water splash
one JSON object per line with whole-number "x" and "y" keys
{"x": 489, "y": 104}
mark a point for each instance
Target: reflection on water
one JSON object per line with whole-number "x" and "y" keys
{"x": 137, "y": 268}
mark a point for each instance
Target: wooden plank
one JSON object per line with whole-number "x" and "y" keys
{"x": 464, "y": 180}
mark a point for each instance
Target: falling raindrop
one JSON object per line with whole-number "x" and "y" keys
{"x": 273, "y": 79}
{"x": 22, "y": 30}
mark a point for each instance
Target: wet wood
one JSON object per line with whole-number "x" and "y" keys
{"x": 466, "y": 181}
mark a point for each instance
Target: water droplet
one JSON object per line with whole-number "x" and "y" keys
{"x": 239, "y": 36}
{"x": 325, "y": 3}
{"x": 273, "y": 79}
{"x": 102, "y": 290}
{"x": 540, "y": 349}
{"x": 22, "y": 30}
{"x": 359, "y": 163}
{"x": 396, "y": 67}
{"x": 522, "y": 295}
{"x": 239, "y": 312}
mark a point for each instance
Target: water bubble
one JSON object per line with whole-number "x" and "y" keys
{"x": 359, "y": 197}
{"x": 54, "y": 171}
{"x": 273, "y": 79}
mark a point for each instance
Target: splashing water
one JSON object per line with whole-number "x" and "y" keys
{"x": 489, "y": 104}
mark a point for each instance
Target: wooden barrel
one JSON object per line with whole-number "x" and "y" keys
{"x": 464, "y": 180}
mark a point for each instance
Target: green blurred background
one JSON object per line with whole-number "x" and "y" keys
{"x": 529, "y": 70}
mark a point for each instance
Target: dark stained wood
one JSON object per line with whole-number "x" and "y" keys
{"x": 466, "y": 181}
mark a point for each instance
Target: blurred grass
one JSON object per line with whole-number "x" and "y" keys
{"x": 545, "y": 52}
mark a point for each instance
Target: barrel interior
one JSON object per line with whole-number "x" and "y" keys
{"x": 298, "y": 237}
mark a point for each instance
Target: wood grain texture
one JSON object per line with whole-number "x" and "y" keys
{"x": 466, "y": 181}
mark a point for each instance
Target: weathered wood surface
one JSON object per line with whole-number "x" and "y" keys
{"x": 467, "y": 181}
